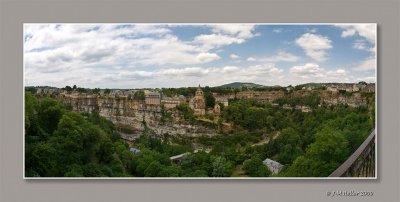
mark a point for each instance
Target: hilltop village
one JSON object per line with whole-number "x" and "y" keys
{"x": 271, "y": 127}
{"x": 129, "y": 111}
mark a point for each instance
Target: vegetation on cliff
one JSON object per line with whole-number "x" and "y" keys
{"x": 63, "y": 143}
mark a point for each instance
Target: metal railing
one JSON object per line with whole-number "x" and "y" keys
{"x": 361, "y": 163}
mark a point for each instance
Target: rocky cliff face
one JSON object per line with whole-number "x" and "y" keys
{"x": 353, "y": 99}
{"x": 133, "y": 116}
{"x": 260, "y": 95}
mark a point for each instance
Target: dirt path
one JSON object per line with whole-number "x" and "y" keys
{"x": 267, "y": 139}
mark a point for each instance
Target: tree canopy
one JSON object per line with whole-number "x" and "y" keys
{"x": 62, "y": 143}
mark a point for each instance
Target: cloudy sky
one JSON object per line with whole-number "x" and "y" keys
{"x": 181, "y": 55}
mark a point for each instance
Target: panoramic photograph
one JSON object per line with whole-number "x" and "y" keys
{"x": 202, "y": 100}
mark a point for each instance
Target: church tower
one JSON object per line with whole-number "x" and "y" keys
{"x": 199, "y": 92}
{"x": 198, "y": 103}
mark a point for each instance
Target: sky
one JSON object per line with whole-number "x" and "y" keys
{"x": 181, "y": 55}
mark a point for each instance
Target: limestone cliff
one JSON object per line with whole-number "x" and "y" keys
{"x": 133, "y": 115}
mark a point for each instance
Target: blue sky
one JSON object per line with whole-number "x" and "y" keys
{"x": 181, "y": 55}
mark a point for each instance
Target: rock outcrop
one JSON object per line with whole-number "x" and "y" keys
{"x": 135, "y": 116}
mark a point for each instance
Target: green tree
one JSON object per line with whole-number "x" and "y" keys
{"x": 170, "y": 171}
{"x": 195, "y": 162}
{"x": 74, "y": 170}
{"x": 289, "y": 143}
{"x": 68, "y": 88}
{"x": 96, "y": 91}
{"x": 42, "y": 159}
{"x": 32, "y": 128}
{"x": 322, "y": 157}
{"x": 186, "y": 113}
{"x": 166, "y": 116}
{"x": 139, "y": 95}
{"x": 142, "y": 164}
{"x": 92, "y": 170}
{"x": 76, "y": 144}
{"x": 254, "y": 167}
{"x": 198, "y": 173}
{"x": 49, "y": 113}
{"x": 221, "y": 167}
{"x": 153, "y": 169}
{"x": 210, "y": 100}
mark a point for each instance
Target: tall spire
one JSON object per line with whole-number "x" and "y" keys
{"x": 199, "y": 92}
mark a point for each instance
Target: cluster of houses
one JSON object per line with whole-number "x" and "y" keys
{"x": 347, "y": 87}
{"x": 352, "y": 87}
{"x": 155, "y": 99}
{"x": 196, "y": 103}
{"x": 359, "y": 87}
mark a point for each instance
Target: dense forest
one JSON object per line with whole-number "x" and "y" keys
{"x": 63, "y": 143}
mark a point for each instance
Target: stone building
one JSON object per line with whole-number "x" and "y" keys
{"x": 273, "y": 166}
{"x": 198, "y": 103}
{"x": 217, "y": 109}
{"x": 172, "y": 102}
{"x": 332, "y": 88}
{"x": 153, "y": 99}
{"x": 370, "y": 87}
{"x": 261, "y": 95}
{"x": 221, "y": 99}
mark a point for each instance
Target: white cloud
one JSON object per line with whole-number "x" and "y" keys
{"x": 372, "y": 49}
{"x": 211, "y": 41}
{"x": 243, "y": 31}
{"x": 251, "y": 59}
{"x": 368, "y": 31}
{"x": 277, "y": 30}
{"x": 307, "y": 70}
{"x": 91, "y": 53}
{"x": 314, "y": 45}
{"x": 52, "y": 48}
{"x": 234, "y": 56}
{"x": 312, "y": 72}
{"x": 363, "y": 45}
{"x": 368, "y": 79}
{"x": 150, "y": 55}
{"x": 212, "y": 76}
{"x": 56, "y": 35}
{"x": 281, "y": 56}
{"x": 313, "y": 30}
{"x": 225, "y": 34}
{"x": 207, "y": 57}
{"x": 229, "y": 69}
{"x": 360, "y": 45}
{"x": 366, "y": 65}
{"x": 262, "y": 69}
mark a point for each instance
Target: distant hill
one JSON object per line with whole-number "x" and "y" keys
{"x": 241, "y": 84}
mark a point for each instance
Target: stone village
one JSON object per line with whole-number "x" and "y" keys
{"x": 132, "y": 116}
{"x": 119, "y": 107}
